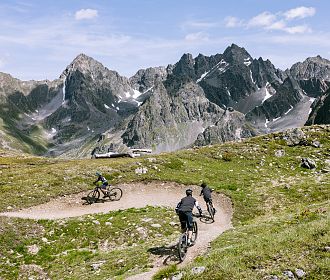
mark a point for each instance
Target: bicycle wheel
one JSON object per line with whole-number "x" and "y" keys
{"x": 210, "y": 209}
{"x": 182, "y": 247}
{"x": 93, "y": 196}
{"x": 115, "y": 194}
{"x": 194, "y": 232}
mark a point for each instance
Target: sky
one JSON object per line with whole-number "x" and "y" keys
{"x": 38, "y": 39}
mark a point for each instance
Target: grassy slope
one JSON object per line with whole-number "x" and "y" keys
{"x": 281, "y": 214}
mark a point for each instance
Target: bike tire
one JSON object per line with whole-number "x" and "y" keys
{"x": 115, "y": 194}
{"x": 182, "y": 247}
{"x": 93, "y": 196}
{"x": 210, "y": 209}
{"x": 194, "y": 232}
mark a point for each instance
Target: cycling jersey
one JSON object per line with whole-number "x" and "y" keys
{"x": 206, "y": 192}
{"x": 187, "y": 204}
{"x": 103, "y": 180}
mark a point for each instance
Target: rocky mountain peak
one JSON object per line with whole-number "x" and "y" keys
{"x": 312, "y": 67}
{"x": 185, "y": 66}
{"x": 235, "y": 53}
{"x": 84, "y": 64}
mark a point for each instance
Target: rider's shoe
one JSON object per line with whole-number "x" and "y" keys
{"x": 190, "y": 243}
{"x": 105, "y": 195}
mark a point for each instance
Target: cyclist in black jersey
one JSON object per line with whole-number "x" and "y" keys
{"x": 207, "y": 194}
{"x": 104, "y": 181}
{"x": 184, "y": 210}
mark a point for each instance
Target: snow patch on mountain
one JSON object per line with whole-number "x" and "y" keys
{"x": 247, "y": 61}
{"x": 268, "y": 95}
{"x": 202, "y": 77}
{"x": 136, "y": 93}
{"x": 266, "y": 123}
{"x": 222, "y": 66}
{"x": 228, "y": 91}
{"x": 311, "y": 100}
{"x": 287, "y": 112}
{"x": 63, "y": 90}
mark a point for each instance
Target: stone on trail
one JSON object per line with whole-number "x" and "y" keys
{"x": 177, "y": 276}
{"x": 146, "y": 220}
{"x": 271, "y": 277}
{"x": 300, "y": 273}
{"x": 156, "y": 226}
{"x": 198, "y": 269}
{"x": 97, "y": 265}
{"x": 279, "y": 153}
{"x": 308, "y": 163}
{"x": 289, "y": 274}
{"x": 33, "y": 249}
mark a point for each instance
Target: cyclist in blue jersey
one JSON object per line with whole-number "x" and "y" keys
{"x": 104, "y": 182}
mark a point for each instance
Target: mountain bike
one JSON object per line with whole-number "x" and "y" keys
{"x": 183, "y": 241}
{"x": 210, "y": 209}
{"x": 113, "y": 194}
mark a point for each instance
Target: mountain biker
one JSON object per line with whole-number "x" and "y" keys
{"x": 206, "y": 192}
{"x": 104, "y": 181}
{"x": 184, "y": 210}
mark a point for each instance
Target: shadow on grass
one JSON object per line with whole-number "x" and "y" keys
{"x": 169, "y": 252}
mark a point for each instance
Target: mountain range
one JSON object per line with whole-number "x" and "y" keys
{"x": 197, "y": 101}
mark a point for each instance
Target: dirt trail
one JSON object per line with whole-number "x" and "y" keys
{"x": 140, "y": 195}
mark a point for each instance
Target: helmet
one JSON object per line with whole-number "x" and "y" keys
{"x": 188, "y": 192}
{"x": 98, "y": 173}
{"x": 203, "y": 185}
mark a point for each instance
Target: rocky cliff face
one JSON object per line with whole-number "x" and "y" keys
{"x": 320, "y": 110}
{"x": 170, "y": 120}
{"x": 231, "y": 126}
{"x": 313, "y": 67}
{"x": 22, "y": 106}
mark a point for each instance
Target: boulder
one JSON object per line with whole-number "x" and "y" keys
{"x": 198, "y": 270}
{"x": 279, "y": 153}
{"x": 294, "y": 137}
{"x": 308, "y": 163}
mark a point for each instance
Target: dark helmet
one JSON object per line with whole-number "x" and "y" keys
{"x": 203, "y": 185}
{"x": 189, "y": 192}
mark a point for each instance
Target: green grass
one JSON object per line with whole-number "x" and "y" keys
{"x": 69, "y": 247}
{"x": 281, "y": 211}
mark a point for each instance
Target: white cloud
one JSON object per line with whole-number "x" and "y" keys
{"x": 298, "y": 29}
{"x": 300, "y": 12}
{"x": 233, "y": 22}
{"x": 198, "y": 36}
{"x": 198, "y": 24}
{"x": 262, "y": 20}
{"x": 86, "y": 14}
{"x": 275, "y": 21}
{"x": 278, "y": 25}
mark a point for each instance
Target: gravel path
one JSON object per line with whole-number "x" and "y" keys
{"x": 140, "y": 195}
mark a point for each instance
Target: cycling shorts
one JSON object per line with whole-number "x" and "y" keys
{"x": 104, "y": 185}
{"x": 186, "y": 219}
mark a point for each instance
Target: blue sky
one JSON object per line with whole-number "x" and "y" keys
{"x": 38, "y": 39}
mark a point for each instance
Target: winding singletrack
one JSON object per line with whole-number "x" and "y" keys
{"x": 139, "y": 195}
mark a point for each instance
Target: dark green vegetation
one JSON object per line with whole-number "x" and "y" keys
{"x": 281, "y": 212}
